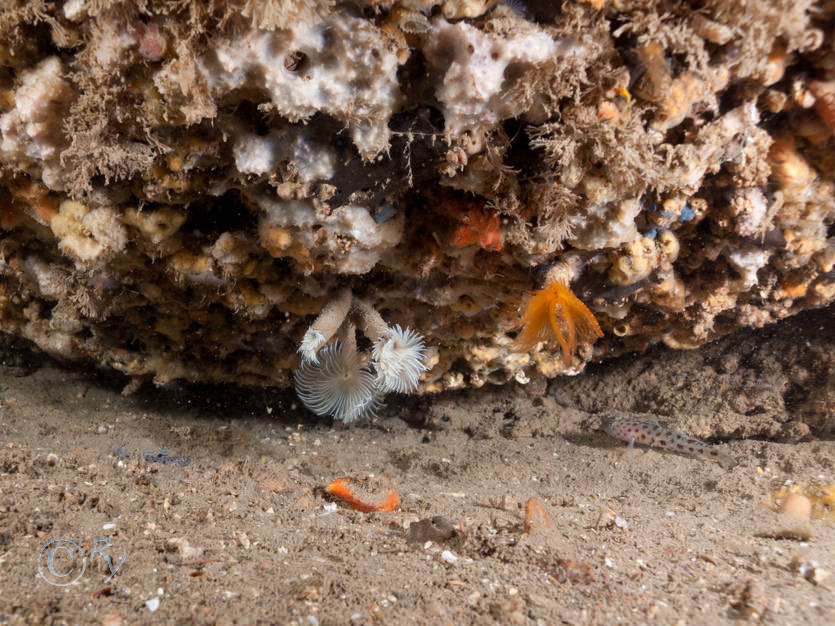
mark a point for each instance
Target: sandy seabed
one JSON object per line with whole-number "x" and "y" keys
{"x": 242, "y": 531}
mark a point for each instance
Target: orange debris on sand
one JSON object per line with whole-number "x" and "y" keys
{"x": 541, "y": 530}
{"x": 554, "y": 312}
{"x": 536, "y": 518}
{"x": 339, "y": 489}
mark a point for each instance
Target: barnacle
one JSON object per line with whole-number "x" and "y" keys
{"x": 682, "y": 93}
{"x": 341, "y": 385}
{"x": 778, "y": 60}
{"x": 788, "y": 166}
{"x": 398, "y": 357}
{"x": 656, "y": 80}
{"x": 554, "y": 312}
{"x": 824, "y": 93}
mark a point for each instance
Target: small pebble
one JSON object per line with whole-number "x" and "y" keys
{"x": 803, "y": 532}
{"x": 605, "y": 517}
{"x": 437, "y": 529}
{"x": 819, "y": 575}
{"x": 185, "y": 549}
{"x": 111, "y": 619}
{"x": 437, "y": 610}
{"x": 541, "y": 530}
{"x": 449, "y": 556}
{"x": 797, "y": 506}
{"x": 152, "y": 604}
{"x": 120, "y": 453}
